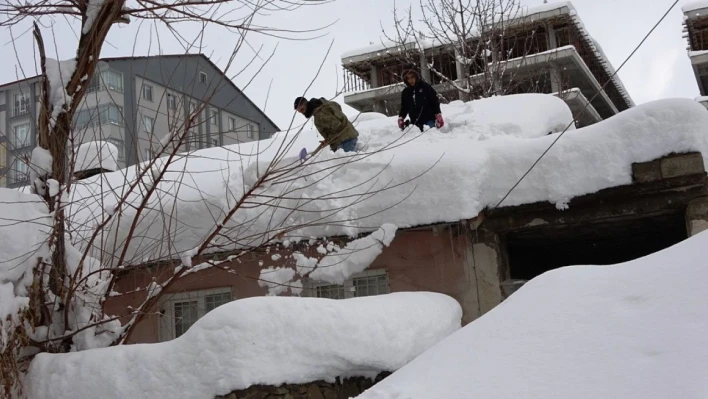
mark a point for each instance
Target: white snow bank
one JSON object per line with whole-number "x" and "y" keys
{"x": 427, "y": 178}
{"x": 265, "y": 340}
{"x": 24, "y": 232}
{"x": 97, "y": 154}
{"x": 634, "y": 331}
{"x": 694, "y": 5}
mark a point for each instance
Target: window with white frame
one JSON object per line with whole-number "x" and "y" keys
{"x": 192, "y": 108}
{"x": 232, "y": 124}
{"x": 21, "y": 136}
{"x": 108, "y": 79}
{"x": 147, "y": 92}
{"x": 21, "y": 102}
{"x": 202, "y": 77}
{"x": 249, "y": 131}
{"x": 148, "y": 123}
{"x": 214, "y": 116}
{"x": 171, "y": 102}
{"x": 366, "y": 283}
{"x": 181, "y": 311}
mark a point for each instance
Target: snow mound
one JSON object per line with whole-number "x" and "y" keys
{"x": 632, "y": 330}
{"x": 97, "y": 154}
{"x": 25, "y": 225}
{"x": 418, "y": 178}
{"x": 266, "y": 340}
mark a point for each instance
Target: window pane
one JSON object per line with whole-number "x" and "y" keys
{"x": 216, "y": 300}
{"x": 370, "y": 285}
{"x": 21, "y": 135}
{"x": 330, "y": 291}
{"x": 185, "y": 315}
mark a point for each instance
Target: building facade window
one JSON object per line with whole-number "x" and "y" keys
{"x": 232, "y": 124}
{"x": 148, "y": 123}
{"x": 21, "y": 103}
{"x": 214, "y": 117}
{"x": 147, "y": 92}
{"x": 19, "y": 172}
{"x": 181, "y": 311}
{"x": 102, "y": 114}
{"x": 171, "y": 102}
{"x": 202, "y": 77}
{"x": 108, "y": 79}
{"x": 249, "y": 131}
{"x": 21, "y": 136}
{"x": 366, "y": 283}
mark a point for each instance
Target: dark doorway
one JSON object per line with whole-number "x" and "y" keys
{"x": 535, "y": 251}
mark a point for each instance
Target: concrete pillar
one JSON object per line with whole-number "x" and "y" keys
{"x": 424, "y": 70}
{"x": 552, "y": 40}
{"x": 697, "y": 216}
{"x": 484, "y": 270}
{"x": 374, "y": 78}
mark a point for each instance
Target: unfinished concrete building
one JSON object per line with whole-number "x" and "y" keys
{"x": 695, "y": 28}
{"x": 546, "y": 50}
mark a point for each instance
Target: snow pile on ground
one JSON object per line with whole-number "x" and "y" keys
{"x": 403, "y": 178}
{"x": 266, "y": 340}
{"x": 97, "y": 154}
{"x": 24, "y": 233}
{"x": 635, "y": 330}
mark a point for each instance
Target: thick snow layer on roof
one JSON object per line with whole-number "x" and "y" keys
{"x": 634, "y": 330}
{"x": 438, "y": 176}
{"x": 25, "y": 225}
{"x": 265, "y": 340}
{"x": 694, "y": 5}
{"x": 97, "y": 154}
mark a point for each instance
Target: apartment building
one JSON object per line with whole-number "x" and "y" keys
{"x": 547, "y": 45}
{"x": 695, "y": 31}
{"x": 133, "y": 102}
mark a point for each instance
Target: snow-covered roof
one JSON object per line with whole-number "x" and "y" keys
{"x": 691, "y": 7}
{"x": 439, "y": 176}
{"x": 634, "y": 330}
{"x": 262, "y": 340}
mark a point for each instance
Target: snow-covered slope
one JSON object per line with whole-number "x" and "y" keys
{"x": 634, "y": 331}
{"x": 267, "y": 340}
{"x": 486, "y": 146}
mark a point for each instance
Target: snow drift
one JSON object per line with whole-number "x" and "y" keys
{"x": 632, "y": 330}
{"x": 485, "y": 148}
{"x": 267, "y": 340}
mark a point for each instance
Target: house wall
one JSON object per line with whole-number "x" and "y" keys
{"x": 439, "y": 260}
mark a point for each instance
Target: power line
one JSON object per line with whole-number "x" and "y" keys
{"x": 586, "y": 106}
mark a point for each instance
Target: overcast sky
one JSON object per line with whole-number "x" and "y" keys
{"x": 660, "y": 69}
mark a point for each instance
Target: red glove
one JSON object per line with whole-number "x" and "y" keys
{"x": 439, "y": 122}
{"x": 400, "y": 123}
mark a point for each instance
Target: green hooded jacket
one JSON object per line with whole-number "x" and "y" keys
{"x": 332, "y": 124}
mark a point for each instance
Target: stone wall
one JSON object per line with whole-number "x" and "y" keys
{"x": 348, "y": 388}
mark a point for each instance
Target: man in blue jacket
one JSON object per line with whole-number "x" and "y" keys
{"x": 420, "y": 102}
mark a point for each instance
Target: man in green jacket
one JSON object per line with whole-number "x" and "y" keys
{"x": 331, "y": 122}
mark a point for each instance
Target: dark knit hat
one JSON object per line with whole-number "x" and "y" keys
{"x": 299, "y": 101}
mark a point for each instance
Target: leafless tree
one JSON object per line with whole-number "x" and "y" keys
{"x": 473, "y": 48}
{"x": 112, "y": 226}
